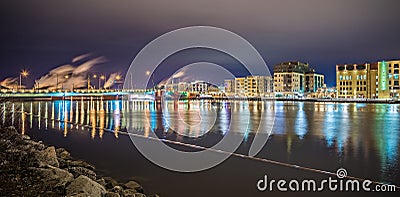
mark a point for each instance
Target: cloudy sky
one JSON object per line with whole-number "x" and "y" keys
{"x": 41, "y": 35}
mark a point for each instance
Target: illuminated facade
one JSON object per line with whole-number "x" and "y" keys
{"x": 253, "y": 86}
{"x": 393, "y": 78}
{"x": 229, "y": 85}
{"x": 291, "y": 78}
{"x": 369, "y": 80}
{"x": 314, "y": 81}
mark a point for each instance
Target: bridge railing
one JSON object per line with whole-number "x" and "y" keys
{"x": 44, "y": 91}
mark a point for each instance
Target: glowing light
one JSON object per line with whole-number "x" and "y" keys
{"x": 383, "y": 76}
{"x": 24, "y": 73}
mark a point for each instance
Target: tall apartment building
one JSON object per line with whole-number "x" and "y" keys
{"x": 314, "y": 81}
{"x": 369, "y": 80}
{"x": 393, "y": 78}
{"x": 229, "y": 86}
{"x": 198, "y": 87}
{"x": 291, "y": 78}
{"x": 253, "y": 86}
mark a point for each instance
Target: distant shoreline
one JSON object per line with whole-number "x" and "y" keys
{"x": 333, "y": 100}
{"x": 107, "y": 97}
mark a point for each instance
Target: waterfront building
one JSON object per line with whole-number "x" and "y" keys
{"x": 198, "y": 87}
{"x": 253, "y": 86}
{"x": 369, "y": 80}
{"x": 323, "y": 92}
{"x": 314, "y": 81}
{"x": 229, "y": 86}
{"x": 393, "y": 76}
{"x": 296, "y": 78}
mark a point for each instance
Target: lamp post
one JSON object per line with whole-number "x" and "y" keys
{"x": 102, "y": 77}
{"x": 95, "y": 76}
{"x": 56, "y": 82}
{"x": 23, "y": 73}
{"x": 66, "y": 77}
{"x": 118, "y": 78}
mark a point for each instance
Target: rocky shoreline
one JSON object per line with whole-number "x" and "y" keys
{"x": 30, "y": 168}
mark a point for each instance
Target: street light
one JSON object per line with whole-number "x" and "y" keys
{"x": 118, "y": 79}
{"x": 95, "y": 77}
{"x": 67, "y": 77}
{"x": 102, "y": 77}
{"x": 23, "y": 73}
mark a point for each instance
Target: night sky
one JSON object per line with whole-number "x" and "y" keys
{"x": 41, "y": 35}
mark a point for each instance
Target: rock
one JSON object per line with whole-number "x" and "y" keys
{"x": 48, "y": 157}
{"x": 77, "y": 171}
{"x": 130, "y": 193}
{"x": 101, "y": 181}
{"x": 53, "y": 177}
{"x": 80, "y": 163}
{"x": 110, "y": 183}
{"x": 117, "y": 189}
{"x": 86, "y": 186}
{"x": 25, "y": 137}
{"x": 79, "y": 195}
{"x": 111, "y": 194}
{"x": 62, "y": 153}
{"x": 63, "y": 163}
{"x": 134, "y": 185}
{"x": 36, "y": 145}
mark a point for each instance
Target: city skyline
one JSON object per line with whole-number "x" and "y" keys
{"x": 41, "y": 35}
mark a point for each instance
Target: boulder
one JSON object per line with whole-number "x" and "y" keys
{"x": 80, "y": 163}
{"x": 117, "y": 189}
{"x": 110, "y": 182}
{"x": 79, "y": 195}
{"x": 101, "y": 181}
{"x": 86, "y": 186}
{"x": 25, "y": 137}
{"x": 112, "y": 194}
{"x": 77, "y": 171}
{"x": 48, "y": 157}
{"x": 130, "y": 193}
{"x": 53, "y": 177}
{"x": 134, "y": 185}
{"x": 62, "y": 153}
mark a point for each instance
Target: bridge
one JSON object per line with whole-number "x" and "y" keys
{"x": 76, "y": 94}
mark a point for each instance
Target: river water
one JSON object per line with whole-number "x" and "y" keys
{"x": 361, "y": 138}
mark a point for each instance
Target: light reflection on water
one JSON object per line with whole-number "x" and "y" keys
{"x": 355, "y": 132}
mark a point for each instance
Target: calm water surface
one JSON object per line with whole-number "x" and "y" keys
{"x": 362, "y": 138}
